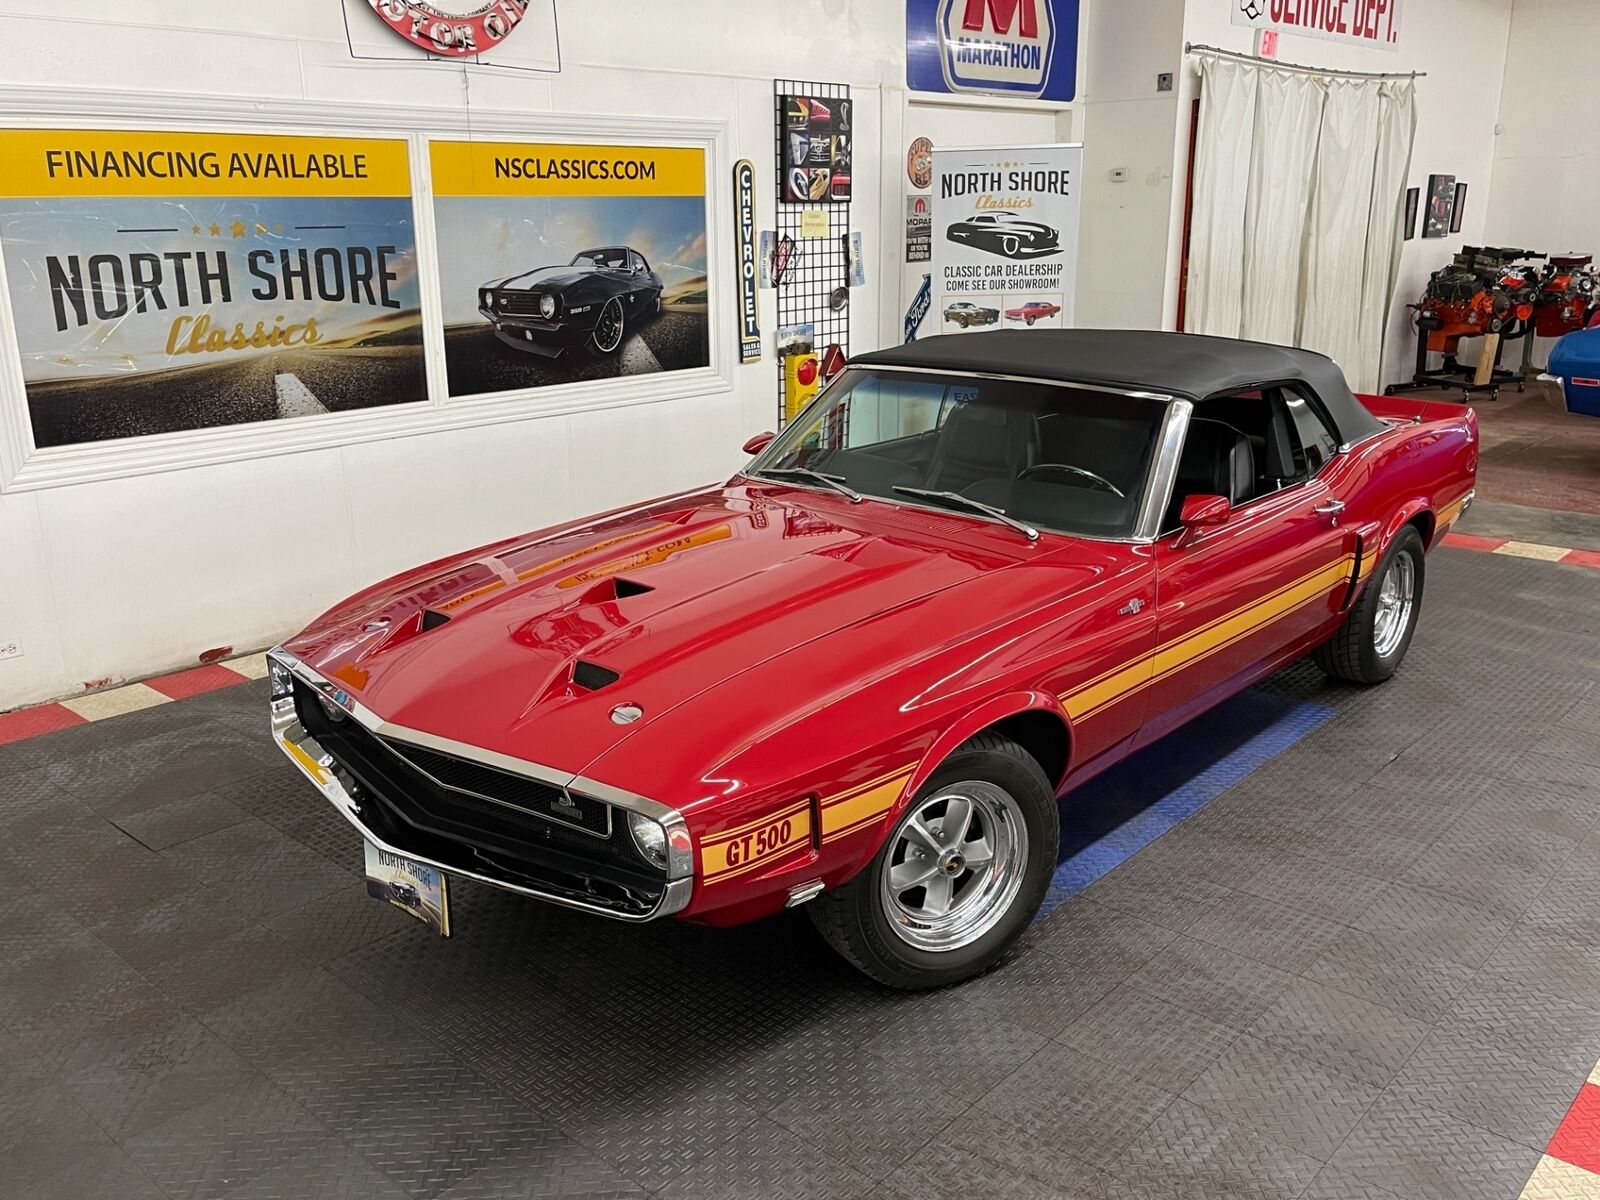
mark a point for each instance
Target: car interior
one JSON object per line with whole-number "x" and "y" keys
{"x": 1067, "y": 459}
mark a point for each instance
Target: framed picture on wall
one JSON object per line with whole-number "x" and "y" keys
{"x": 1460, "y": 208}
{"x": 1413, "y": 203}
{"x": 1441, "y": 206}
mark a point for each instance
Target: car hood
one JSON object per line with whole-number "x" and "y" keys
{"x": 1022, "y": 227}
{"x": 674, "y": 599}
{"x": 546, "y": 277}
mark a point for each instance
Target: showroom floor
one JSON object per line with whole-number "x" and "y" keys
{"x": 1366, "y": 964}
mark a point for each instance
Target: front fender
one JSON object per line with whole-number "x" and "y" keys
{"x": 972, "y": 722}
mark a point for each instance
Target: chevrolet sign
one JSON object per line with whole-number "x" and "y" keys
{"x": 1025, "y": 48}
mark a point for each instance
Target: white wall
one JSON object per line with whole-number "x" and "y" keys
{"x": 127, "y": 577}
{"x": 1461, "y": 45}
{"x": 1547, "y": 158}
{"x": 1128, "y": 124}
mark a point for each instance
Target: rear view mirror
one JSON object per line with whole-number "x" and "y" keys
{"x": 759, "y": 443}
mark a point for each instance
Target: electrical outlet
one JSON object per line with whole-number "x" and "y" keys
{"x": 10, "y": 649}
{"x": 1164, "y": 81}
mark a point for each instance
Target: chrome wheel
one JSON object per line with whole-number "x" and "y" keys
{"x": 1396, "y": 596}
{"x": 956, "y": 864}
{"x": 608, "y": 329}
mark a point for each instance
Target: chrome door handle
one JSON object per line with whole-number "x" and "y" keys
{"x": 1330, "y": 508}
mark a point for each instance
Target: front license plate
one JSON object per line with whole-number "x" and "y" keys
{"x": 422, "y": 891}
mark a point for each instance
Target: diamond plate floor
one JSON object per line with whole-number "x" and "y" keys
{"x": 1371, "y": 968}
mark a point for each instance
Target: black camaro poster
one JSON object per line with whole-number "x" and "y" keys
{"x": 564, "y": 263}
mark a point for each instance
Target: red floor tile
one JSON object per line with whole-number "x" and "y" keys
{"x": 191, "y": 683}
{"x": 31, "y": 722}
{"x": 1577, "y": 1141}
{"x": 1583, "y": 558}
{"x": 1467, "y": 541}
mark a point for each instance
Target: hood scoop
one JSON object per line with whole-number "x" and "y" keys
{"x": 591, "y": 677}
{"x": 614, "y": 588}
{"x": 432, "y": 619}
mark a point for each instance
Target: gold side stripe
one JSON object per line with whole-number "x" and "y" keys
{"x": 841, "y": 797}
{"x": 1201, "y": 643}
{"x": 864, "y": 806}
{"x": 851, "y": 830}
{"x": 725, "y": 835}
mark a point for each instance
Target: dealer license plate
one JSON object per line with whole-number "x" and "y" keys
{"x": 420, "y": 890}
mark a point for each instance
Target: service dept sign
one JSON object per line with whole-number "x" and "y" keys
{"x": 744, "y": 216}
{"x": 1025, "y": 48}
{"x": 1371, "y": 23}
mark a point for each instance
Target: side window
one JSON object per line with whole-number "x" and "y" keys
{"x": 1312, "y": 442}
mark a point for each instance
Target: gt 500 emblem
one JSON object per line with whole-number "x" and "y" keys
{"x": 457, "y": 35}
{"x": 736, "y": 851}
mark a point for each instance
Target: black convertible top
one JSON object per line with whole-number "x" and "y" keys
{"x": 1176, "y": 364}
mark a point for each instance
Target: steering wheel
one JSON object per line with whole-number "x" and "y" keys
{"x": 1100, "y": 481}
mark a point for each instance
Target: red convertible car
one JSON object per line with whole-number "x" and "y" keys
{"x": 862, "y": 673}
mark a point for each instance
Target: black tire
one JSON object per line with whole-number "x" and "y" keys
{"x": 1030, "y": 322}
{"x": 963, "y": 322}
{"x": 855, "y": 922}
{"x": 1352, "y": 654}
{"x": 595, "y": 345}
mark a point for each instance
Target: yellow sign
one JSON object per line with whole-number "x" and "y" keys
{"x": 82, "y": 163}
{"x": 813, "y": 222}
{"x": 528, "y": 169}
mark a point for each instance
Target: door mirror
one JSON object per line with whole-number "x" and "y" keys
{"x": 1200, "y": 513}
{"x": 762, "y": 440}
{"x": 1204, "y": 512}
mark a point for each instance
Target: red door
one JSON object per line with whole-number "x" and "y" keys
{"x": 1242, "y": 593}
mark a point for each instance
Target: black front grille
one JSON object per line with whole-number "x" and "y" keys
{"x": 597, "y": 865}
{"x": 516, "y": 791}
{"x": 517, "y": 304}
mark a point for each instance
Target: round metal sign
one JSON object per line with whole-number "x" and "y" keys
{"x": 454, "y": 34}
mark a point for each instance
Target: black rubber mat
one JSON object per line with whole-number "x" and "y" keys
{"x": 1371, "y": 969}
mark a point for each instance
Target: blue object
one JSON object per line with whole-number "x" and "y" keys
{"x": 1023, "y": 48}
{"x": 919, "y": 308}
{"x": 1115, "y": 815}
{"x": 1576, "y": 362}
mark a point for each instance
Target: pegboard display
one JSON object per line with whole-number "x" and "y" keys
{"x": 819, "y": 264}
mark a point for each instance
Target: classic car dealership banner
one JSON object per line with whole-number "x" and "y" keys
{"x": 565, "y": 263}
{"x": 171, "y": 281}
{"x": 1005, "y": 237}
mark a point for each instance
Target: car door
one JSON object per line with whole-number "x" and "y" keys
{"x": 1232, "y": 597}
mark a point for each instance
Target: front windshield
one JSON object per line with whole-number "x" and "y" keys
{"x": 611, "y": 260}
{"x": 1063, "y": 458}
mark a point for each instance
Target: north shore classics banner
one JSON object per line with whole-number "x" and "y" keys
{"x": 563, "y": 263}
{"x": 165, "y": 281}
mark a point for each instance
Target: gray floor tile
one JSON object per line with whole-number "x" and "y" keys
{"x": 1082, "y": 1106}
{"x": 1190, "y": 1153}
{"x": 1354, "y": 1037}
{"x": 1484, "y": 1085}
{"x": 1291, "y": 1100}
{"x": 1425, "y": 1155}
{"x": 1153, "y": 1041}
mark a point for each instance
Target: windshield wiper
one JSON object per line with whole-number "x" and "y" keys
{"x": 836, "y": 482}
{"x": 977, "y": 506}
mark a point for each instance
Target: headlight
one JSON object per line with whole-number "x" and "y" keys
{"x": 485, "y": 298}
{"x": 651, "y": 839}
{"x": 547, "y": 305}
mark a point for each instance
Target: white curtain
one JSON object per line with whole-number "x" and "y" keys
{"x": 1299, "y": 194}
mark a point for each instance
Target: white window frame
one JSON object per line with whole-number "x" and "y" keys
{"x": 24, "y": 467}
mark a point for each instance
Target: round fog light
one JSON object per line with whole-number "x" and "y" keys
{"x": 650, "y": 838}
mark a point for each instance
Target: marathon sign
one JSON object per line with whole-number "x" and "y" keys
{"x": 1024, "y": 48}
{"x": 1371, "y": 23}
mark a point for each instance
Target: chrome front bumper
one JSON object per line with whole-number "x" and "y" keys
{"x": 317, "y": 765}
